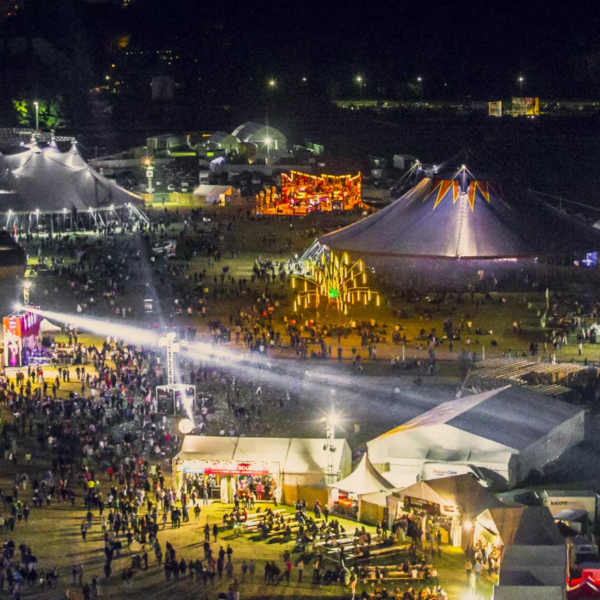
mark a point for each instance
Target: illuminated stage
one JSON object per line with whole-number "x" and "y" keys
{"x": 302, "y": 193}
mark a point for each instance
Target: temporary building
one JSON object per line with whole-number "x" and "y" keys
{"x": 47, "y": 327}
{"x": 217, "y": 195}
{"x": 461, "y": 217}
{"x": 301, "y": 467}
{"x": 219, "y": 142}
{"x": 508, "y": 431}
{"x": 49, "y": 182}
{"x": 264, "y": 136}
{"x": 534, "y": 555}
{"x": 460, "y": 498}
{"x": 461, "y": 494}
{"x": 345, "y": 496}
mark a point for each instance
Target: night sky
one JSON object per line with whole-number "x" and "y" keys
{"x": 469, "y": 49}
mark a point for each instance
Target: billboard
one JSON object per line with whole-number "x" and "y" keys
{"x": 527, "y": 107}
{"x": 495, "y": 109}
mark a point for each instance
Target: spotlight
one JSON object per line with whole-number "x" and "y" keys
{"x": 186, "y": 426}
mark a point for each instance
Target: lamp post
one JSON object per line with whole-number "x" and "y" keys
{"x": 420, "y": 82}
{"x": 359, "y": 80}
{"x": 521, "y": 80}
{"x": 26, "y": 290}
{"x": 169, "y": 342}
{"x": 149, "y": 174}
{"x": 331, "y": 421}
{"x": 37, "y": 116}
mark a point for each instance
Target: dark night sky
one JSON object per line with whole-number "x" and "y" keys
{"x": 227, "y": 51}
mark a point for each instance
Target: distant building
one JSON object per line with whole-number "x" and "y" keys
{"x": 217, "y": 144}
{"x": 264, "y": 136}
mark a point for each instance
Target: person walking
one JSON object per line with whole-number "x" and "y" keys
{"x": 300, "y": 567}
{"x": 244, "y": 571}
{"x": 215, "y": 531}
{"x": 207, "y": 532}
{"x": 469, "y": 569}
{"x": 251, "y": 569}
{"x": 288, "y": 570}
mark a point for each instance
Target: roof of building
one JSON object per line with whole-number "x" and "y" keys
{"x": 511, "y": 416}
{"x": 247, "y": 131}
{"x": 517, "y": 592}
{"x": 570, "y": 494}
{"x": 464, "y": 491}
{"x": 213, "y": 190}
{"x": 461, "y": 491}
{"x": 464, "y": 217}
{"x": 294, "y": 455}
{"x": 534, "y": 566}
{"x": 51, "y": 181}
{"x": 365, "y": 479}
{"x": 526, "y": 526}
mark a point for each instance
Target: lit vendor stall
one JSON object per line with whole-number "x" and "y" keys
{"x": 346, "y": 496}
{"x": 448, "y": 504}
{"x": 22, "y": 335}
{"x": 283, "y": 468}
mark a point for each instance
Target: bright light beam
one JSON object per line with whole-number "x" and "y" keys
{"x": 102, "y": 327}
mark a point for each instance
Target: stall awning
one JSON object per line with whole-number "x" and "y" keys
{"x": 364, "y": 480}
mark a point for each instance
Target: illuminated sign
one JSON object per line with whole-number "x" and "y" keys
{"x": 220, "y": 467}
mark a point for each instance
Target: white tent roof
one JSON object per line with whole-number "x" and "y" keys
{"x": 294, "y": 455}
{"x": 52, "y": 181}
{"x": 46, "y": 326}
{"x": 365, "y": 479}
{"x": 213, "y": 190}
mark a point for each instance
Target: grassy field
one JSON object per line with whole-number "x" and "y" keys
{"x": 54, "y": 535}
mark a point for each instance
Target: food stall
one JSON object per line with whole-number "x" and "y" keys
{"x": 281, "y": 468}
{"x": 345, "y": 496}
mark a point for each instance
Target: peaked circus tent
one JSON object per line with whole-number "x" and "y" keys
{"x": 50, "y": 181}
{"x": 468, "y": 218}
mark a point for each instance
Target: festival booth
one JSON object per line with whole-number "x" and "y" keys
{"x": 287, "y": 469}
{"x": 345, "y": 497}
{"x": 22, "y": 333}
{"x": 448, "y": 503}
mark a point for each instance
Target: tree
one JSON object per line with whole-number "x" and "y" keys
{"x": 50, "y": 113}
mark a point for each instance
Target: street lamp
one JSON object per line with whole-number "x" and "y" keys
{"x": 331, "y": 420}
{"x": 420, "y": 81}
{"x": 521, "y": 80}
{"x": 272, "y": 83}
{"x": 37, "y": 115}
{"x": 169, "y": 342}
{"x": 359, "y": 80}
{"x": 26, "y": 290}
{"x": 149, "y": 174}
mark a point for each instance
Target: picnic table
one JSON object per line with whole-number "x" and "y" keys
{"x": 341, "y": 541}
{"x": 378, "y": 552}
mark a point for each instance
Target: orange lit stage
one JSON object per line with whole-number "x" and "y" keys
{"x": 302, "y": 193}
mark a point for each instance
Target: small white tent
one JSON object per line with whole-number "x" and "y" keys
{"x": 345, "y": 495}
{"x": 47, "y": 327}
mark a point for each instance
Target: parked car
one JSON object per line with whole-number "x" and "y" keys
{"x": 165, "y": 248}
